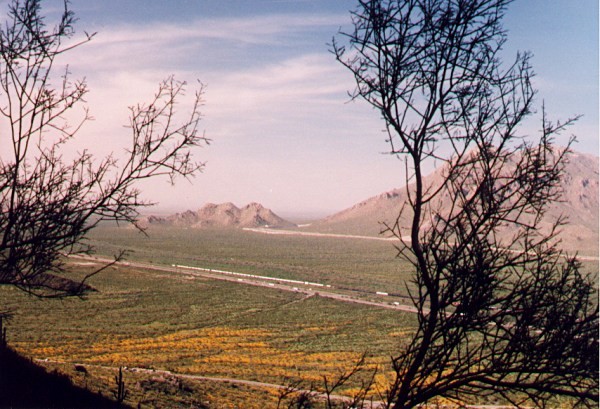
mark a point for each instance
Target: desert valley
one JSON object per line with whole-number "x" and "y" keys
{"x": 208, "y": 309}
{"x": 579, "y": 203}
{"x": 374, "y": 204}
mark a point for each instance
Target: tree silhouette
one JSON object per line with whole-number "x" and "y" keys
{"x": 50, "y": 203}
{"x": 502, "y": 311}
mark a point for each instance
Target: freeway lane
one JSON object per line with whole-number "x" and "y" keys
{"x": 405, "y": 239}
{"x": 296, "y": 286}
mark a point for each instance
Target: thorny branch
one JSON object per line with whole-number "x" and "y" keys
{"x": 49, "y": 204}
{"x": 502, "y": 311}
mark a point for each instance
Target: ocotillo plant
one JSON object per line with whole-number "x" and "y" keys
{"x": 2, "y": 332}
{"x": 120, "y": 393}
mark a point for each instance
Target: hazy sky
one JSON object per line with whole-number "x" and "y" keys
{"x": 284, "y": 133}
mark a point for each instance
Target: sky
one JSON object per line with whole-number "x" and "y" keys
{"x": 284, "y": 132}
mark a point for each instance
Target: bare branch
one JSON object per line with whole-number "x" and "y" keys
{"x": 501, "y": 310}
{"x": 50, "y": 205}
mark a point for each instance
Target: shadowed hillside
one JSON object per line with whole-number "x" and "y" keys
{"x": 27, "y": 385}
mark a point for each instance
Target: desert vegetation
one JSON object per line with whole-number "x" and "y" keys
{"x": 499, "y": 313}
{"x": 50, "y": 203}
{"x": 168, "y": 321}
{"x": 501, "y": 309}
{"x": 163, "y": 321}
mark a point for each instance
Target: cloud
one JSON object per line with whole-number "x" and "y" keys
{"x": 268, "y": 94}
{"x": 281, "y": 90}
{"x": 204, "y": 41}
{"x": 275, "y": 108}
{"x": 262, "y": 29}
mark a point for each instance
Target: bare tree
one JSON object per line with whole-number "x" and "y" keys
{"x": 49, "y": 203}
{"x": 501, "y": 310}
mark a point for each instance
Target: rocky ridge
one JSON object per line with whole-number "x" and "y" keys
{"x": 222, "y": 215}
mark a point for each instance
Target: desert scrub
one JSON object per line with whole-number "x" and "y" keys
{"x": 157, "y": 320}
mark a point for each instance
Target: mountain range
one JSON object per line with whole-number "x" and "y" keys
{"x": 579, "y": 203}
{"x": 368, "y": 218}
{"x": 222, "y": 215}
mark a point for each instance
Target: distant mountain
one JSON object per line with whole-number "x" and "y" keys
{"x": 579, "y": 204}
{"x": 222, "y": 215}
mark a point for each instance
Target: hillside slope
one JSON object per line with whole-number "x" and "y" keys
{"x": 27, "y": 385}
{"x": 579, "y": 204}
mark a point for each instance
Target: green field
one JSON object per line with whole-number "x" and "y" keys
{"x": 160, "y": 320}
{"x": 166, "y": 321}
{"x": 368, "y": 265}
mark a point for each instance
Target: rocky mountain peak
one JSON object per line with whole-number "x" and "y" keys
{"x": 213, "y": 215}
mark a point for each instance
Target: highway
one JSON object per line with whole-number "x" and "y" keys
{"x": 405, "y": 239}
{"x": 296, "y": 286}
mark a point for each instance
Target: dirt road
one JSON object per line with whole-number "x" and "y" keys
{"x": 255, "y": 384}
